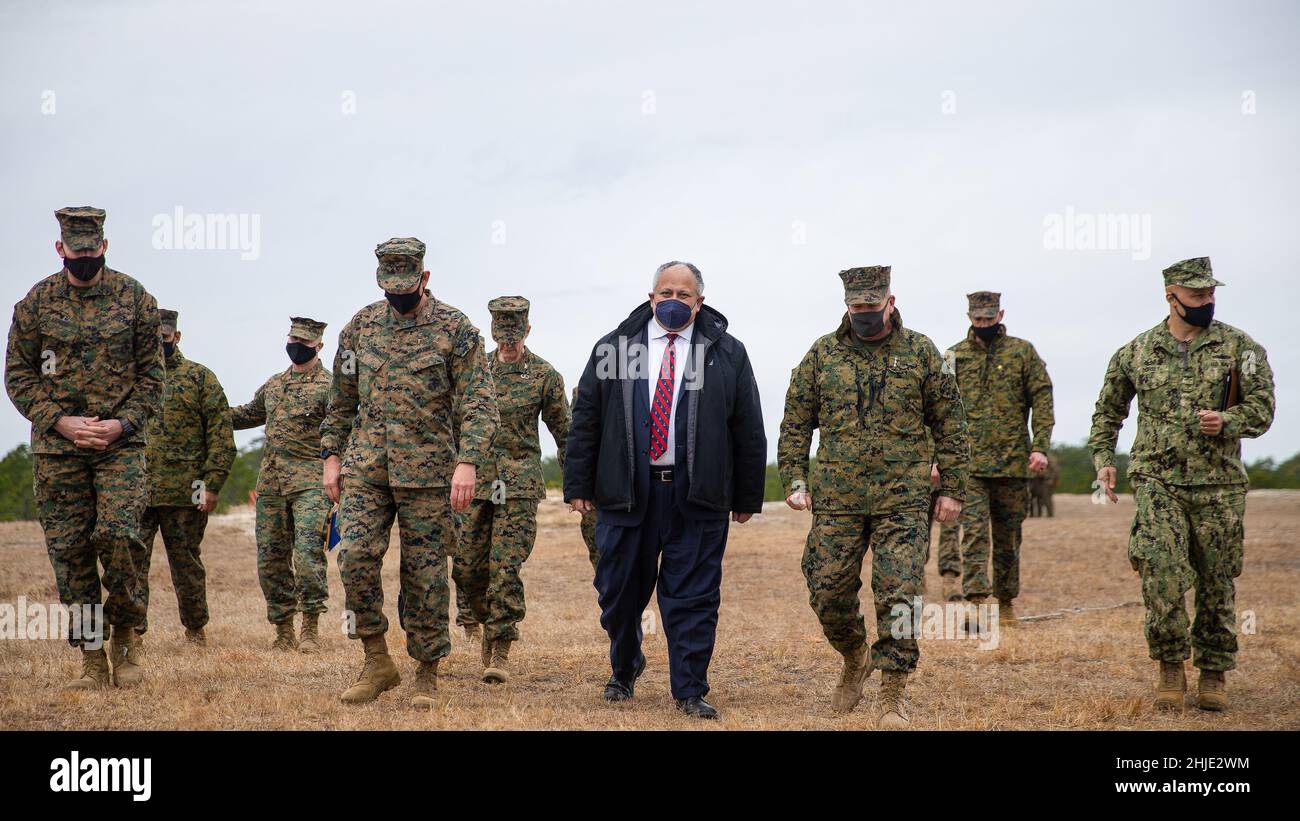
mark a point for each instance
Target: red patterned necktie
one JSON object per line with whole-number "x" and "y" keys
{"x": 662, "y": 409}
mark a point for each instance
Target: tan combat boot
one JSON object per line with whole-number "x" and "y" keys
{"x": 284, "y": 639}
{"x": 496, "y": 672}
{"x": 137, "y": 648}
{"x": 893, "y": 707}
{"x": 848, "y": 692}
{"x": 94, "y": 671}
{"x": 309, "y": 641}
{"x": 196, "y": 637}
{"x": 1212, "y": 690}
{"x": 951, "y": 587}
{"x": 126, "y": 668}
{"x": 1171, "y": 686}
{"x": 1006, "y": 612}
{"x": 377, "y": 674}
{"x": 485, "y": 652}
{"x": 425, "y": 696}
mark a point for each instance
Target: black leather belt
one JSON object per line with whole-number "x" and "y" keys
{"x": 661, "y": 474}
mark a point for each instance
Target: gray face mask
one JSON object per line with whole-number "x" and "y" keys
{"x": 868, "y": 323}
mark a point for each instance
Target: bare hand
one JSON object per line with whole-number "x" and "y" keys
{"x": 1038, "y": 462}
{"x": 331, "y": 477}
{"x": 799, "y": 500}
{"x": 69, "y": 427}
{"x": 1107, "y": 478}
{"x": 948, "y": 510}
{"x": 209, "y": 502}
{"x": 741, "y": 518}
{"x": 583, "y": 506}
{"x": 1211, "y": 422}
{"x": 462, "y": 486}
{"x": 934, "y": 474}
{"x": 98, "y": 435}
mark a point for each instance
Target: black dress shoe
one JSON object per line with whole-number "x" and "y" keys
{"x": 697, "y": 707}
{"x": 619, "y": 690}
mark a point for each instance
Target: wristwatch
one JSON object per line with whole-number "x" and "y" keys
{"x": 326, "y": 453}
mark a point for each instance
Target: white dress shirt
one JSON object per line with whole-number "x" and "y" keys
{"x": 657, "y": 336}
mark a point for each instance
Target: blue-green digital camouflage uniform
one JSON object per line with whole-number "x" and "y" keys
{"x": 877, "y": 405}
{"x": 190, "y": 450}
{"x": 88, "y": 351}
{"x": 402, "y": 385}
{"x": 1000, "y": 382}
{"x": 292, "y": 508}
{"x": 499, "y": 529}
{"x": 1189, "y": 488}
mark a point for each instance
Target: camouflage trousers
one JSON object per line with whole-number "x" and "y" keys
{"x": 832, "y": 565}
{"x": 427, "y": 537}
{"x": 495, "y": 541}
{"x": 999, "y": 505}
{"x": 949, "y": 549}
{"x": 588, "y": 528}
{"x": 1189, "y": 538}
{"x": 291, "y": 533}
{"x": 90, "y": 507}
{"x": 182, "y": 531}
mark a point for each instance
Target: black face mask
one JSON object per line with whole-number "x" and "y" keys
{"x": 987, "y": 334}
{"x": 169, "y": 348}
{"x": 1200, "y": 316}
{"x": 300, "y": 354}
{"x": 404, "y": 303}
{"x": 84, "y": 268}
{"x": 868, "y": 323}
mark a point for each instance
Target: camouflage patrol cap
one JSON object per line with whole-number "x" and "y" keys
{"x": 509, "y": 318}
{"x": 984, "y": 304}
{"x": 867, "y": 285}
{"x": 82, "y": 227}
{"x": 304, "y": 328}
{"x": 167, "y": 320}
{"x": 1191, "y": 273}
{"x": 401, "y": 261}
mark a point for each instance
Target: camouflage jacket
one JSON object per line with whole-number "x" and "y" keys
{"x": 878, "y": 407}
{"x": 1172, "y": 381}
{"x": 84, "y": 352}
{"x": 401, "y": 386}
{"x": 191, "y": 440}
{"x": 292, "y": 405}
{"x": 999, "y": 385}
{"x": 525, "y": 390}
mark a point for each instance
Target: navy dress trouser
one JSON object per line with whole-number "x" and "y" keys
{"x": 689, "y": 581}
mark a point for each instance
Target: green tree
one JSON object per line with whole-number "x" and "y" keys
{"x": 243, "y": 477}
{"x": 17, "y": 502}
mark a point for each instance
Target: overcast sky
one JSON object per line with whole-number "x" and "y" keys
{"x": 563, "y": 150}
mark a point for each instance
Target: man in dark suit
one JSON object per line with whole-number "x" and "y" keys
{"x": 666, "y": 443}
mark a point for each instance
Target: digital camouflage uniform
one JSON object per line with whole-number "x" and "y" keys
{"x": 401, "y": 385}
{"x": 1190, "y": 488}
{"x": 500, "y": 527}
{"x": 88, "y": 351}
{"x": 876, "y": 405}
{"x": 190, "y": 449}
{"x": 1000, "y": 384}
{"x": 292, "y": 508}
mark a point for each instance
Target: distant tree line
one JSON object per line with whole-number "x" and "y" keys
{"x": 1077, "y": 475}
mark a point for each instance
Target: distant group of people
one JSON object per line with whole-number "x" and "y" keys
{"x": 662, "y": 448}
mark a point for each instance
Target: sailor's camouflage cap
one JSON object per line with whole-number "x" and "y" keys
{"x": 81, "y": 226}
{"x": 867, "y": 285}
{"x": 167, "y": 320}
{"x": 1191, "y": 273}
{"x": 401, "y": 261}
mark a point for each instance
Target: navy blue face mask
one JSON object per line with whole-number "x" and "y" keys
{"x": 84, "y": 268}
{"x": 299, "y": 353}
{"x": 1200, "y": 316}
{"x": 404, "y": 303}
{"x": 673, "y": 314}
{"x": 168, "y": 348}
{"x": 988, "y": 334}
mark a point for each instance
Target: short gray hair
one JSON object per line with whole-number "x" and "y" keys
{"x": 699, "y": 278}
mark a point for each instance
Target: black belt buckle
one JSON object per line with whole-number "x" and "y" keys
{"x": 664, "y": 474}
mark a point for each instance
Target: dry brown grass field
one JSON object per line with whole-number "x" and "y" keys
{"x": 772, "y": 668}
